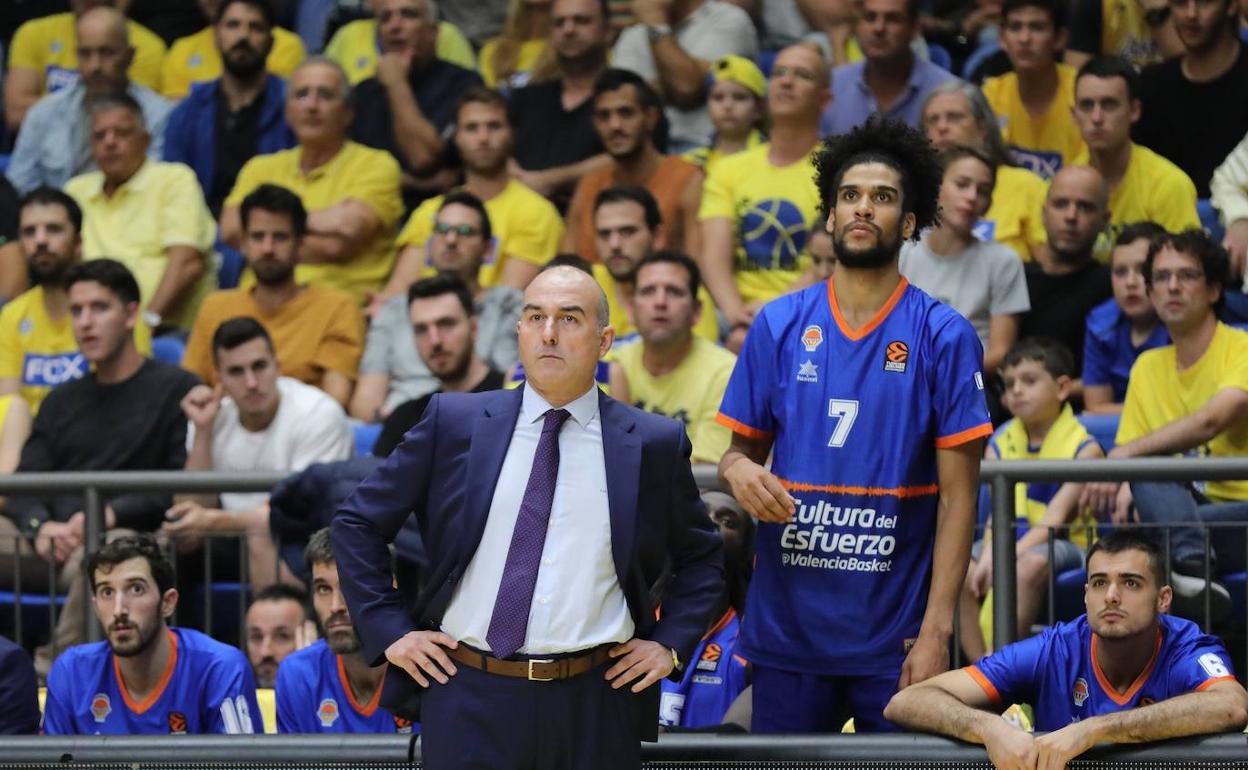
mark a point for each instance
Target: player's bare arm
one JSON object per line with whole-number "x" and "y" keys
{"x": 958, "y": 473}
{"x": 757, "y": 489}
{"x": 954, "y": 704}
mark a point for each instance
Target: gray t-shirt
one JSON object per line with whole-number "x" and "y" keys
{"x": 985, "y": 280}
{"x": 714, "y": 30}
{"x": 390, "y": 347}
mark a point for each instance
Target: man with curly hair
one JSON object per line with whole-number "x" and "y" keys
{"x": 869, "y": 395}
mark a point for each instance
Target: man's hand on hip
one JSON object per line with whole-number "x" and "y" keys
{"x": 639, "y": 658}
{"x": 420, "y": 653}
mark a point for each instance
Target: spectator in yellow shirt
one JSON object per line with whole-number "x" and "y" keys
{"x": 518, "y": 55}
{"x": 1143, "y": 186}
{"x": 671, "y": 371}
{"x": 149, "y": 216}
{"x": 351, "y": 192}
{"x": 318, "y": 332}
{"x": 958, "y": 113}
{"x": 195, "y": 58}
{"x": 1033, "y": 101}
{"x": 43, "y": 57}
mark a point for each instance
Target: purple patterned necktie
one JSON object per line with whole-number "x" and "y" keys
{"x": 510, "y": 620}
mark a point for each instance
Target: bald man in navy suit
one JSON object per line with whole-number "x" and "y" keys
{"x": 555, "y": 519}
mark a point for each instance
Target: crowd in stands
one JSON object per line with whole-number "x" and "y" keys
{"x": 261, "y": 230}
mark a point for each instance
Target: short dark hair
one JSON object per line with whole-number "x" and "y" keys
{"x": 442, "y": 283}
{"x": 1056, "y": 9}
{"x": 263, "y": 6}
{"x": 624, "y": 193}
{"x": 1134, "y": 231}
{"x": 319, "y": 549}
{"x": 568, "y": 259}
{"x": 110, "y": 274}
{"x": 280, "y": 592}
{"x": 481, "y": 95}
{"x": 1122, "y": 539}
{"x": 671, "y": 257}
{"x": 896, "y": 145}
{"x": 142, "y": 545}
{"x": 1055, "y": 357}
{"x": 1105, "y": 67}
{"x": 275, "y": 199}
{"x": 464, "y": 198}
{"x": 613, "y": 79}
{"x": 50, "y": 196}
{"x": 237, "y": 331}
{"x": 114, "y": 100}
{"x": 1195, "y": 242}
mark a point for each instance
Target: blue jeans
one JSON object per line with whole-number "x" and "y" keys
{"x": 1175, "y": 503}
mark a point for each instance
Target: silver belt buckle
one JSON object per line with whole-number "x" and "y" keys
{"x": 533, "y": 678}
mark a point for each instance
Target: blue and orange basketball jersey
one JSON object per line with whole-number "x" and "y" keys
{"x": 313, "y": 696}
{"x": 713, "y": 679}
{"x": 856, "y": 417}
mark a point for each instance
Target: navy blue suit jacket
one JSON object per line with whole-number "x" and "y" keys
{"x": 445, "y": 472}
{"x": 19, "y": 692}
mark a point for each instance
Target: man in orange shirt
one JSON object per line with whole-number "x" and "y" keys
{"x": 625, "y": 112}
{"x": 318, "y": 332}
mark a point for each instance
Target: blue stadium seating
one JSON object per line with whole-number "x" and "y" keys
{"x": 230, "y": 271}
{"x": 940, "y": 56}
{"x": 168, "y": 349}
{"x": 1103, "y": 427}
{"x": 1236, "y": 583}
{"x": 366, "y": 436}
{"x": 35, "y": 616}
{"x": 977, "y": 58}
{"x": 1068, "y": 594}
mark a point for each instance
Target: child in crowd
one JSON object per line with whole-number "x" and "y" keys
{"x": 737, "y": 103}
{"x": 1039, "y": 376}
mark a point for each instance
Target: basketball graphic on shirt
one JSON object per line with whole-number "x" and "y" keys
{"x": 773, "y": 235}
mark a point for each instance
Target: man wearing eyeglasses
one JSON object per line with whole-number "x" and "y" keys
{"x": 393, "y": 371}
{"x": 1187, "y": 398}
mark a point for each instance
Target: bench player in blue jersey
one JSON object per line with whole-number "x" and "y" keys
{"x": 328, "y": 687}
{"x": 146, "y": 678}
{"x": 869, "y": 395}
{"x": 1126, "y": 672}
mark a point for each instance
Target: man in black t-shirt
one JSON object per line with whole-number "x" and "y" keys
{"x": 1065, "y": 287}
{"x": 556, "y": 143}
{"x": 408, "y": 107}
{"x": 1196, "y": 105}
{"x": 444, "y": 324}
{"x": 124, "y": 414}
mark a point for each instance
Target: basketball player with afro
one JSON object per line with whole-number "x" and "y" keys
{"x": 869, "y": 395}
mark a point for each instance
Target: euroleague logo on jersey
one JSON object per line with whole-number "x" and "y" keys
{"x": 896, "y": 354}
{"x": 177, "y": 723}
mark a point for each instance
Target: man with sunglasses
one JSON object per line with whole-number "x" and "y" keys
{"x": 1189, "y": 398}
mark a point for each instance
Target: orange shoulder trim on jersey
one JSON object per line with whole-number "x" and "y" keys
{"x": 961, "y": 437}
{"x": 154, "y": 695}
{"x": 841, "y": 489}
{"x": 870, "y": 326}
{"x": 989, "y": 688}
{"x": 1205, "y": 685}
{"x": 739, "y": 427}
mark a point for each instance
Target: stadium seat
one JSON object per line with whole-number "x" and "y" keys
{"x": 366, "y": 435}
{"x": 1068, "y": 596}
{"x": 4, "y": 163}
{"x": 230, "y": 271}
{"x": 1209, "y": 219}
{"x": 224, "y": 613}
{"x": 1236, "y": 583}
{"x": 35, "y": 616}
{"x": 168, "y": 349}
{"x": 977, "y": 57}
{"x": 1103, "y": 427}
{"x": 939, "y": 55}
{"x": 765, "y": 60}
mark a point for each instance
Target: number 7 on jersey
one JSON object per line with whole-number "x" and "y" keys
{"x": 845, "y": 412}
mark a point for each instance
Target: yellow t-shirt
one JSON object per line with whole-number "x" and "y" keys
{"x": 160, "y": 206}
{"x": 690, "y": 393}
{"x": 320, "y": 330}
{"x": 195, "y": 59}
{"x": 354, "y": 46}
{"x": 1125, "y": 33}
{"x": 48, "y": 46}
{"x": 530, "y": 52}
{"x": 1153, "y": 189}
{"x": 1158, "y": 394}
{"x": 621, "y": 318}
{"x": 707, "y": 158}
{"x": 1014, "y": 218}
{"x": 525, "y": 226}
{"x": 357, "y": 172}
{"x": 773, "y": 211}
{"x": 1041, "y": 143}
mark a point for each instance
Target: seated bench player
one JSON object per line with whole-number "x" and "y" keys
{"x": 146, "y": 678}
{"x": 1125, "y": 672}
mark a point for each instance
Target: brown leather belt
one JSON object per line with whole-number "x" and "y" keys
{"x": 535, "y": 670}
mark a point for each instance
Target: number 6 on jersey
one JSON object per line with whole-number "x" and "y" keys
{"x": 845, "y": 411}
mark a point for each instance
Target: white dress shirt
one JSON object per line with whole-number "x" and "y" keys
{"x": 577, "y": 600}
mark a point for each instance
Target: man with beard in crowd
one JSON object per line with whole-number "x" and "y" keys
{"x": 329, "y": 687}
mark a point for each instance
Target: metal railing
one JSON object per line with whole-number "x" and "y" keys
{"x": 702, "y": 751}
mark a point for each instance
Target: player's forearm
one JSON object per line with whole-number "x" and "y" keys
{"x": 1196, "y": 713}
{"x": 929, "y": 709}
{"x": 950, "y": 556}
